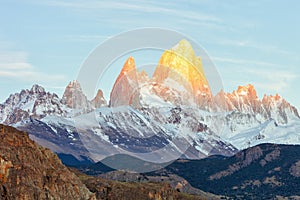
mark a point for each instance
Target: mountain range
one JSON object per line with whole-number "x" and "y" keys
{"x": 173, "y": 111}
{"x": 29, "y": 171}
{"x": 265, "y": 171}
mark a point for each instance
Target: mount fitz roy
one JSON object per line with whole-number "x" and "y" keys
{"x": 173, "y": 108}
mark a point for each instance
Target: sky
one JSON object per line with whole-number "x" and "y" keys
{"x": 46, "y": 41}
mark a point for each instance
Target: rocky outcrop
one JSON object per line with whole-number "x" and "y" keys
{"x": 74, "y": 97}
{"x": 114, "y": 190}
{"x": 181, "y": 65}
{"x": 29, "y": 171}
{"x": 295, "y": 169}
{"x": 99, "y": 100}
{"x": 179, "y": 79}
{"x": 125, "y": 90}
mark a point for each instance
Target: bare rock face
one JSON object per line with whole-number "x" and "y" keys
{"x": 74, "y": 97}
{"x": 29, "y": 171}
{"x": 125, "y": 90}
{"x": 179, "y": 79}
{"x": 295, "y": 169}
{"x": 181, "y": 65}
{"x": 99, "y": 100}
{"x": 243, "y": 99}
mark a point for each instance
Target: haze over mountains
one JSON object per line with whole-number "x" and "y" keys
{"x": 173, "y": 111}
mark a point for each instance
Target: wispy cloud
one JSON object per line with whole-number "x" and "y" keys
{"x": 135, "y": 7}
{"x": 257, "y": 46}
{"x": 245, "y": 62}
{"x": 14, "y": 65}
{"x": 86, "y": 38}
{"x": 273, "y": 80}
{"x": 267, "y": 76}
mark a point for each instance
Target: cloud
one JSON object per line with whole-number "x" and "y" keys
{"x": 274, "y": 80}
{"x": 265, "y": 76}
{"x": 258, "y": 46}
{"x": 86, "y": 38}
{"x": 14, "y": 65}
{"x": 134, "y": 6}
{"x": 244, "y": 62}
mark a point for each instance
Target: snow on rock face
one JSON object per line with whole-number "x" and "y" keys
{"x": 267, "y": 132}
{"x": 179, "y": 101}
{"x": 36, "y": 89}
{"x": 37, "y": 103}
{"x": 152, "y": 132}
{"x": 245, "y": 122}
{"x": 30, "y": 103}
{"x": 245, "y": 101}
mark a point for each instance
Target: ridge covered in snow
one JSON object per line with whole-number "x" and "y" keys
{"x": 37, "y": 103}
{"x": 173, "y": 111}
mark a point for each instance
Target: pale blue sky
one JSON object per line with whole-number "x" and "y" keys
{"x": 46, "y": 41}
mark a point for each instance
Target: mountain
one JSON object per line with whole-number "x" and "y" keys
{"x": 173, "y": 111}
{"x": 29, "y": 171}
{"x": 123, "y": 91}
{"x": 250, "y": 121}
{"x": 180, "y": 64}
{"x": 36, "y": 103}
{"x": 99, "y": 100}
{"x": 178, "y": 79}
{"x": 48, "y": 118}
{"x": 266, "y": 171}
{"x": 148, "y": 134}
{"x": 245, "y": 100}
{"x": 240, "y": 117}
{"x": 74, "y": 98}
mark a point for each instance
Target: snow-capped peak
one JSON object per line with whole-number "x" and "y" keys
{"x": 37, "y": 103}
{"x": 37, "y": 89}
{"x": 30, "y": 103}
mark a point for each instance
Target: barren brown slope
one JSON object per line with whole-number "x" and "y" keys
{"x": 146, "y": 190}
{"x": 29, "y": 171}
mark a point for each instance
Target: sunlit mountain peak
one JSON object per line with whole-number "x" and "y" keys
{"x": 180, "y": 63}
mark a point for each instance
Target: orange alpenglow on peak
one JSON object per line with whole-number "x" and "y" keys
{"x": 128, "y": 66}
{"x": 181, "y": 63}
{"x": 275, "y": 97}
{"x": 246, "y": 90}
{"x": 128, "y": 69}
{"x": 124, "y": 85}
